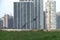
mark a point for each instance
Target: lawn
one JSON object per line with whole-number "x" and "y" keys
{"x": 29, "y": 35}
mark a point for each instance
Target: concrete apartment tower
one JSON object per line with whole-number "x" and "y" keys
{"x": 50, "y": 15}
{"x": 5, "y": 21}
{"x": 28, "y": 14}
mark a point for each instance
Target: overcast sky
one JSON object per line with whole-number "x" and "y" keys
{"x": 6, "y": 6}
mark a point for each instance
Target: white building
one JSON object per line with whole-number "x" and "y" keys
{"x": 51, "y": 15}
{"x": 7, "y": 21}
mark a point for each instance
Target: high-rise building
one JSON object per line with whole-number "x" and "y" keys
{"x": 51, "y": 15}
{"x": 7, "y": 21}
{"x": 44, "y": 20}
{"x": 10, "y": 22}
{"x": 28, "y": 14}
{"x": 58, "y": 20}
{"x": 1, "y": 23}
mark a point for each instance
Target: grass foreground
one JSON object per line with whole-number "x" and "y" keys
{"x": 29, "y": 35}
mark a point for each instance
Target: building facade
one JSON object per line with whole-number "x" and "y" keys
{"x": 58, "y": 20}
{"x": 7, "y": 22}
{"x": 28, "y": 14}
{"x": 1, "y": 23}
{"x": 44, "y": 20}
{"x": 10, "y": 22}
{"x": 51, "y": 15}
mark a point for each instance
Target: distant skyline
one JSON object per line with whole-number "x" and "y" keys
{"x": 6, "y": 6}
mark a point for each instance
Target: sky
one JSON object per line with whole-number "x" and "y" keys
{"x": 6, "y": 6}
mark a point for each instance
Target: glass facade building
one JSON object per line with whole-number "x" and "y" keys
{"x": 28, "y": 14}
{"x": 58, "y": 20}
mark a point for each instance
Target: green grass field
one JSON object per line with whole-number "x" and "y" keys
{"x": 29, "y": 35}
